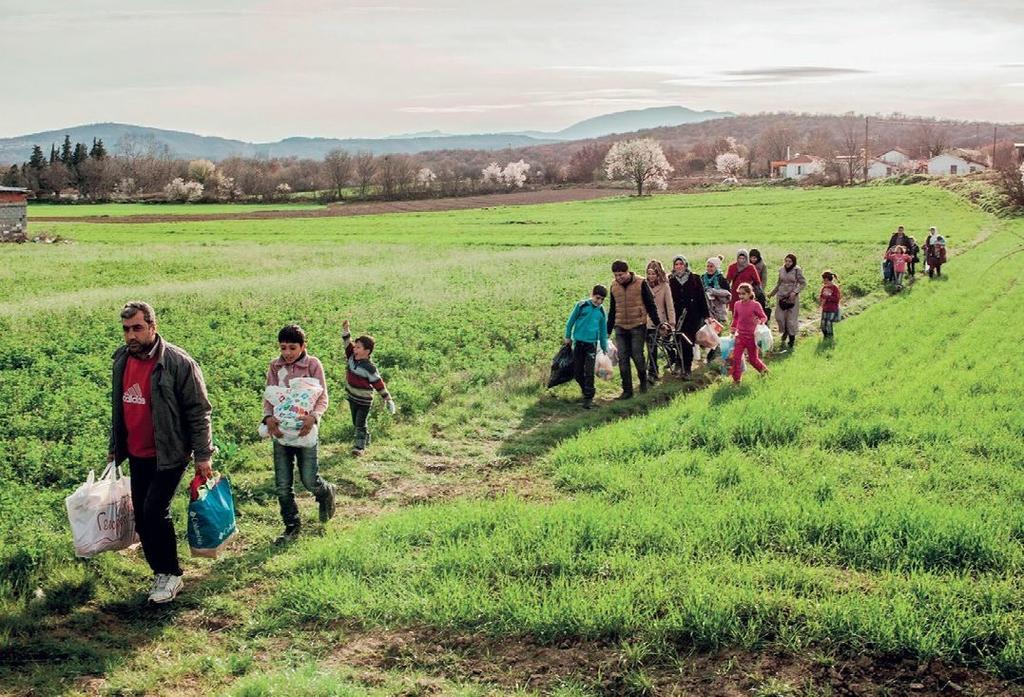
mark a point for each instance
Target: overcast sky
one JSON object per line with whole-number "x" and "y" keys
{"x": 268, "y": 69}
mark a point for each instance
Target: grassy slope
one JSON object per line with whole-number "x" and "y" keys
{"x": 864, "y": 496}
{"x": 467, "y": 376}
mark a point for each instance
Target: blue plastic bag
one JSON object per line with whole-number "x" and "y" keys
{"x": 211, "y": 516}
{"x": 726, "y": 344}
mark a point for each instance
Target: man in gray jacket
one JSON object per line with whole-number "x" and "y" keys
{"x": 160, "y": 419}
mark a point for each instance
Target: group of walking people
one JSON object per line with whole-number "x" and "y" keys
{"x": 161, "y": 420}
{"x": 903, "y": 254}
{"x": 662, "y": 313}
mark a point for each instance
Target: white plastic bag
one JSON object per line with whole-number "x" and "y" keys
{"x": 290, "y": 405}
{"x": 613, "y": 353}
{"x": 101, "y": 514}
{"x": 763, "y": 338}
{"x": 707, "y": 337}
{"x": 603, "y": 365}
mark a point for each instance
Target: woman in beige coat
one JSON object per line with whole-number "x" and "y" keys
{"x": 657, "y": 279}
{"x": 787, "y": 309}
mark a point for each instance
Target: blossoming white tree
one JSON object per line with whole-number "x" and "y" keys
{"x": 514, "y": 174}
{"x": 640, "y": 161}
{"x": 491, "y": 174}
{"x": 425, "y": 177}
{"x": 182, "y": 191}
{"x": 730, "y": 164}
{"x": 200, "y": 170}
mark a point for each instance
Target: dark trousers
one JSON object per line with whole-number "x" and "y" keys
{"x": 652, "y": 354}
{"x": 152, "y": 492}
{"x": 630, "y": 343}
{"x": 686, "y": 348}
{"x": 583, "y": 357}
{"x": 360, "y": 413}
{"x": 286, "y": 457}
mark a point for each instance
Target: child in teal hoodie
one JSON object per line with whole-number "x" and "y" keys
{"x": 586, "y": 327}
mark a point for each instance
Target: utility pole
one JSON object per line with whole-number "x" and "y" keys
{"x": 994, "y": 129}
{"x": 865, "y": 149}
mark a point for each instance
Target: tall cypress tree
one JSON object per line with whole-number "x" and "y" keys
{"x": 37, "y": 161}
{"x": 53, "y": 153}
{"x": 80, "y": 154}
{"x": 98, "y": 152}
{"x": 65, "y": 150}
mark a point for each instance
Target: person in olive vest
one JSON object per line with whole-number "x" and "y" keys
{"x": 632, "y": 303}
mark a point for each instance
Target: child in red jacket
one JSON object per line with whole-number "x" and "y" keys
{"x": 900, "y": 259}
{"x": 747, "y": 313}
{"x": 829, "y": 298}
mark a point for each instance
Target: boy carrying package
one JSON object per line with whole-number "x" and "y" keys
{"x": 361, "y": 380}
{"x": 585, "y": 330}
{"x": 296, "y": 397}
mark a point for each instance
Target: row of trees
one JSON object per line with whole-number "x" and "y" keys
{"x": 144, "y": 169}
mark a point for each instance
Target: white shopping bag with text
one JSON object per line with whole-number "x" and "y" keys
{"x": 101, "y": 514}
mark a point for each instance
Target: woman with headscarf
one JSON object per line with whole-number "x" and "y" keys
{"x": 658, "y": 281}
{"x": 762, "y": 270}
{"x": 691, "y": 308}
{"x": 787, "y": 308}
{"x": 741, "y": 271}
{"x": 716, "y": 288}
{"x": 758, "y": 263}
{"x": 934, "y": 252}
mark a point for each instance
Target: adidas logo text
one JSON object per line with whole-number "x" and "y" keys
{"x": 133, "y": 395}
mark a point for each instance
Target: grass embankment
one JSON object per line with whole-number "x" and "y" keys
{"x": 864, "y": 497}
{"x": 467, "y": 308}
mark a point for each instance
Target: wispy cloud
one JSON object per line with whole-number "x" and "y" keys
{"x": 463, "y": 109}
{"x": 793, "y": 72}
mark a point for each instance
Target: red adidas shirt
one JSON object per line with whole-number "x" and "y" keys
{"x": 138, "y": 409}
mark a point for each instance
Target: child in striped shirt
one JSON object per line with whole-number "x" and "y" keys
{"x": 361, "y": 379}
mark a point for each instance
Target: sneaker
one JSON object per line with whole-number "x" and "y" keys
{"x": 328, "y": 504}
{"x": 587, "y": 404}
{"x": 358, "y": 452}
{"x": 166, "y": 589}
{"x": 625, "y": 395}
{"x": 289, "y": 534}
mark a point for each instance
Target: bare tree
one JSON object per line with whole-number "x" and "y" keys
{"x": 851, "y": 144}
{"x": 366, "y": 170}
{"x": 930, "y": 139}
{"x": 338, "y": 166}
{"x": 587, "y": 162}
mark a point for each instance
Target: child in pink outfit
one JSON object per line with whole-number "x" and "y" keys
{"x": 746, "y": 315}
{"x": 899, "y": 258}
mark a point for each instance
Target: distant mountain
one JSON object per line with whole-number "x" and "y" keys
{"x": 191, "y": 146}
{"x": 629, "y": 121}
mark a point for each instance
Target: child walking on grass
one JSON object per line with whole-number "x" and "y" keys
{"x": 294, "y": 362}
{"x": 747, "y": 314}
{"x": 361, "y": 379}
{"x": 900, "y": 260}
{"x": 829, "y": 298}
{"x": 586, "y": 328}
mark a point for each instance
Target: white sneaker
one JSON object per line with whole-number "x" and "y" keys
{"x": 166, "y": 589}
{"x": 157, "y": 581}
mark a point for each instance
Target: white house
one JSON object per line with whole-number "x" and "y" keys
{"x": 798, "y": 167}
{"x": 896, "y": 156}
{"x": 952, "y": 163}
{"x": 879, "y": 168}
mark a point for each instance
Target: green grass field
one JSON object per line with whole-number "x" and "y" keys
{"x": 862, "y": 498}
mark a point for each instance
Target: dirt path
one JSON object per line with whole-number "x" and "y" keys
{"x": 517, "y": 198}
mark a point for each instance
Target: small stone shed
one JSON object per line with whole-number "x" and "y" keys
{"x": 13, "y": 209}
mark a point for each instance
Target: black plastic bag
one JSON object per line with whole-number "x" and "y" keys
{"x": 561, "y": 366}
